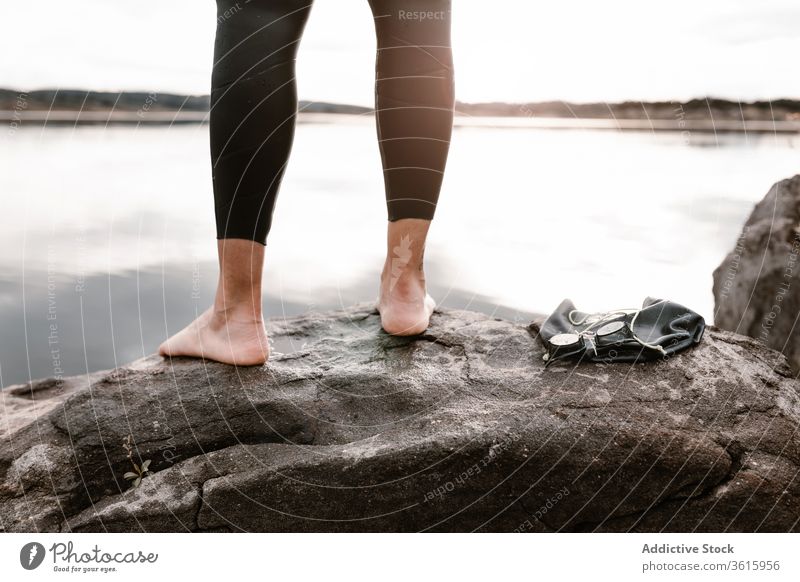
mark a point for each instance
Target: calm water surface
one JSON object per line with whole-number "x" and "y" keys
{"x": 108, "y": 242}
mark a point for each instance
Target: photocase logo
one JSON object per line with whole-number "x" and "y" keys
{"x": 31, "y": 555}
{"x": 402, "y": 256}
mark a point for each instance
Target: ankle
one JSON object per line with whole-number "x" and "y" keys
{"x": 238, "y": 313}
{"x": 403, "y": 277}
{"x": 402, "y": 268}
{"x": 405, "y": 284}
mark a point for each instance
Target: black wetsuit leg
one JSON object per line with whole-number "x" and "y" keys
{"x": 414, "y": 100}
{"x": 253, "y": 108}
{"x": 254, "y": 104}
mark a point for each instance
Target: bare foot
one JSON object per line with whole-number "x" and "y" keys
{"x": 241, "y": 342}
{"x": 404, "y": 304}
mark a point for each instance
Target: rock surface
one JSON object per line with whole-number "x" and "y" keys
{"x": 757, "y": 286}
{"x": 459, "y": 429}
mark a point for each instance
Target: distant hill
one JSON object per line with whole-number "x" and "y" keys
{"x": 77, "y": 100}
{"x": 706, "y": 108}
{"x": 696, "y": 109}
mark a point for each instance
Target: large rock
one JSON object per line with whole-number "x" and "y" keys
{"x": 757, "y": 286}
{"x": 459, "y": 429}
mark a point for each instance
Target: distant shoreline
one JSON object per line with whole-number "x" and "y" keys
{"x": 78, "y": 107}
{"x": 182, "y": 118}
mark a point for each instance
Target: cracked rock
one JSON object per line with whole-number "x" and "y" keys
{"x": 460, "y": 429}
{"x": 757, "y": 286}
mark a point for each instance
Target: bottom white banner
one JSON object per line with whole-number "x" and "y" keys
{"x": 355, "y": 557}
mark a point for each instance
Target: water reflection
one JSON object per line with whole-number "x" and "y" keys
{"x": 63, "y": 325}
{"x": 119, "y": 223}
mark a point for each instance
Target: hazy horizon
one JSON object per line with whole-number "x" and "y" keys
{"x": 512, "y": 52}
{"x": 370, "y": 105}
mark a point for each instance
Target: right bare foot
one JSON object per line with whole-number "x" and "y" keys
{"x": 226, "y": 339}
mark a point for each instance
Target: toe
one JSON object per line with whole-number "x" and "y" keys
{"x": 171, "y": 347}
{"x": 163, "y": 350}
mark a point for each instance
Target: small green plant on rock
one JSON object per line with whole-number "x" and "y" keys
{"x": 138, "y": 472}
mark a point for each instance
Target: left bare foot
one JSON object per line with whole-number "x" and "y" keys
{"x": 213, "y": 336}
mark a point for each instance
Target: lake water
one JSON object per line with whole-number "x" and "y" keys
{"x": 108, "y": 246}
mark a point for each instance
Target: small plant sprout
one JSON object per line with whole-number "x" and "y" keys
{"x": 138, "y": 473}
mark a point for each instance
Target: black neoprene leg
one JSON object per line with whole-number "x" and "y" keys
{"x": 253, "y": 108}
{"x": 414, "y": 99}
{"x": 254, "y": 104}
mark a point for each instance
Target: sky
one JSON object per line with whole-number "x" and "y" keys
{"x": 504, "y": 50}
